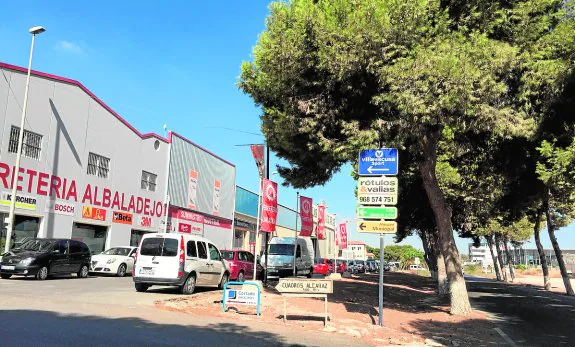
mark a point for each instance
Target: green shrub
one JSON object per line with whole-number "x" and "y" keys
{"x": 472, "y": 269}
{"x": 521, "y": 267}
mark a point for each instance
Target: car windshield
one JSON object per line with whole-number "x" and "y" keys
{"x": 319, "y": 261}
{"x": 117, "y": 251}
{"x": 360, "y": 262}
{"x": 281, "y": 249}
{"x": 227, "y": 255}
{"x": 36, "y": 245}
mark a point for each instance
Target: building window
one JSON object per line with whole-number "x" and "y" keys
{"x": 32, "y": 143}
{"x": 149, "y": 181}
{"x": 98, "y": 165}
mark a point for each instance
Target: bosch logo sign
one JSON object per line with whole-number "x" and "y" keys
{"x": 58, "y": 207}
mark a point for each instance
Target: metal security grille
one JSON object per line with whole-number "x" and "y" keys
{"x": 98, "y": 165}
{"x": 32, "y": 143}
{"x": 149, "y": 181}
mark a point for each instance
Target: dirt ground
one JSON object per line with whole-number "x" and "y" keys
{"x": 534, "y": 277}
{"x": 412, "y": 312}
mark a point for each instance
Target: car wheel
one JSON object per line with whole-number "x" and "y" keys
{"x": 5, "y": 276}
{"x": 83, "y": 273}
{"x": 141, "y": 287}
{"x": 310, "y": 272}
{"x": 42, "y": 273}
{"x": 225, "y": 279}
{"x": 189, "y": 286}
{"x": 241, "y": 277}
{"x": 121, "y": 270}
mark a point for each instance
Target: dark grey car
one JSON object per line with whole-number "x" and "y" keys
{"x": 41, "y": 258}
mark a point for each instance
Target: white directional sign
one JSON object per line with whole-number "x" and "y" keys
{"x": 377, "y": 190}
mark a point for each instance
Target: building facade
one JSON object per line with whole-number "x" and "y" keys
{"x": 87, "y": 174}
{"x": 355, "y": 250}
{"x": 481, "y": 254}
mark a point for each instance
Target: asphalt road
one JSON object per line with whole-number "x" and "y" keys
{"x": 527, "y": 315}
{"x": 107, "y": 311}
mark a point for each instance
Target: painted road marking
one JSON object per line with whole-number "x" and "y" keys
{"x": 505, "y": 337}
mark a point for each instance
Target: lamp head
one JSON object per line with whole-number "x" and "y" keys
{"x": 37, "y": 30}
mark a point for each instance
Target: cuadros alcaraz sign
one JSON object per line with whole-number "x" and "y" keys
{"x": 56, "y": 187}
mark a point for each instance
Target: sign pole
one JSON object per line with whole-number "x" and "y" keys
{"x": 256, "y": 251}
{"x": 381, "y": 271}
{"x": 295, "y": 242}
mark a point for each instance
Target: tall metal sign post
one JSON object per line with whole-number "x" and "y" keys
{"x": 375, "y": 192}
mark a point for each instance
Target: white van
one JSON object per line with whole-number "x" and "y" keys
{"x": 181, "y": 260}
{"x": 280, "y": 257}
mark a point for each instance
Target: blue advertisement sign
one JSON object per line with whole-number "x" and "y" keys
{"x": 383, "y": 161}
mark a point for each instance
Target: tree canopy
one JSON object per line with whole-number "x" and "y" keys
{"x": 464, "y": 89}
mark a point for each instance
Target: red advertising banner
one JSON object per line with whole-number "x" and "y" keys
{"x": 343, "y": 235}
{"x": 269, "y": 206}
{"x": 306, "y": 216}
{"x": 320, "y": 230}
{"x": 258, "y": 153}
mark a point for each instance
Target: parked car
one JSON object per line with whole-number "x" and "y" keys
{"x": 281, "y": 257}
{"x": 416, "y": 267}
{"x": 341, "y": 266}
{"x": 241, "y": 265}
{"x": 370, "y": 266}
{"x": 180, "y": 260}
{"x": 322, "y": 266}
{"x": 360, "y": 266}
{"x": 117, "y": 261}
{"x": 351, "y": 267}
{"x": 41, "y": 258}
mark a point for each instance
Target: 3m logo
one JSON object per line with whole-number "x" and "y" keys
{"x": 146, "y": 222}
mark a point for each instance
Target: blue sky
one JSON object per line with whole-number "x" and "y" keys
{"x": 176, "y": 64}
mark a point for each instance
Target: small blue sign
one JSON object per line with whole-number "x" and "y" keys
{"x": 377, "y": 162}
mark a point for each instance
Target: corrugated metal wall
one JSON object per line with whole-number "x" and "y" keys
{"x": 186, "y": 156}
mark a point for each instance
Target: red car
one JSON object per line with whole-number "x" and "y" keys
{"x": 341, "y": 266}
{"x": 322, "y": 266}
{"x": 240, "y": 263}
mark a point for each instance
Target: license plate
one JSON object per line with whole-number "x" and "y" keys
{"x": 146, "y": 271}
{"x": 8, "y": 267}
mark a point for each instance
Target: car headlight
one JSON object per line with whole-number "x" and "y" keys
{"x": 26, "y": 262}
{"x": 110, "y": 261}
{"x": 288, "y": 264}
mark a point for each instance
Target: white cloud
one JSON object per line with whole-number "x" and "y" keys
{"x": 70, "y": 47}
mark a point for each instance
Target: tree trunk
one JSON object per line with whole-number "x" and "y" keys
{"x": 510, "y": 260}
{"x": 429, "y": 253}
{"x": 500, "y": 256}
{"x": 442, "y": 212}
{"x": 442, "y": 282}
{"x": 557, "y": 249}
{"x": 494, "y": 257}
{"x": 541, "y": 250}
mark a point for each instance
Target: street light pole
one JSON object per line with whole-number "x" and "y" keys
{"x": 34, "y": 31}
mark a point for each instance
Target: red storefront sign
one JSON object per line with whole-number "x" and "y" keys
{"x": 306, "y": 216}
{"x": 320, "y": 230}
{"x": 184, "y": 228}
{"x": 61, "y": 188}
{"x": 269, "y": 206}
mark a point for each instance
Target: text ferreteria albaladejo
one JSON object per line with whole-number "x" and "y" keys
{"x": 56, "y": 187}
